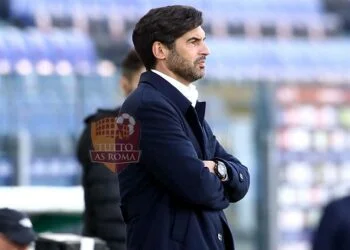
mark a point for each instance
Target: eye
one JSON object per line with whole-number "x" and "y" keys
{"x": 195, "y": 42}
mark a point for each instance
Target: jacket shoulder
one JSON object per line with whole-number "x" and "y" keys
{"x": 141, "y": 97}
{"x": 341, "y": 205}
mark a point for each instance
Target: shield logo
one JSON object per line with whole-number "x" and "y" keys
{"x": 115, "y": 141}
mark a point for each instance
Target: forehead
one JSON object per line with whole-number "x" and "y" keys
{"x": 197, "y": 32}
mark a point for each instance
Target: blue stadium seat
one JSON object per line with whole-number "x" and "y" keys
{"x": 22, "y": 92}
{"x": 46, "y": 97}
{"x": 4, "y": 51}
{"x": 23, "y": 10}
{"x": 4, "y": 107}
{"x": 38, "y": 46}
{"x": 336, "y": 58}
{"x": 293, "y": 6}
{"x": 6, "y": 172}
{"x": 263, "y": 8}
{"x": 15, "y": 45}
{"x": 232, "y": 58}
{"x": 71, "y": 46}
{"x": 55, "y": 171}
{"x": 58, "y": 95}
{"x": 98, "y": 92}
{"x": 80, "y": 49}
{"x": 59, "y": 45}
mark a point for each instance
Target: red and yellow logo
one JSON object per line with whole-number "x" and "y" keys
{"x": 115, "y": 141}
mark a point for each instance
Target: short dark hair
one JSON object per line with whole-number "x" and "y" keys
{"x": 164, "y": 24}
{"x": 130, "y": 64}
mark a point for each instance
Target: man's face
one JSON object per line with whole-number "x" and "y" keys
{"x": 186, "y": 60}
{"x": 129, "y": 85}
{"x": 5, "y": 244}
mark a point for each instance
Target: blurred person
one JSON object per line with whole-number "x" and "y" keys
{"x": 102, "y": 215}
{"x": 174, "y": 197}
{"x": 16, "y": 230}
{"x": 333, "y": 232}
{"x": 4, "y": 9}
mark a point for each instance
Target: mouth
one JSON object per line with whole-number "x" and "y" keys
{"x": 201, "y": 64}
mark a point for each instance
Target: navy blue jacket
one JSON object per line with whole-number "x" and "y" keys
{"x": 333, "y": 232}
{"x": 170, "y": 201}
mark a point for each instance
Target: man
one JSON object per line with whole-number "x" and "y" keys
{"x": 102, "y": 216}
{"x": 174, "y": 197}
{"x": 334, "y": 228}
{"x": 16, "y": 230}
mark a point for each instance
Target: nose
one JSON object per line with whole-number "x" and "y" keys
{"x": 205, "y": 51}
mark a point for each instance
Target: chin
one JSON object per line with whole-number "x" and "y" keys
{"x": 197, "y": 78}
{"x": 200, "y": 75}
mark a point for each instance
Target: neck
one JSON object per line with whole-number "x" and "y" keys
{"x": 171, "y": 74}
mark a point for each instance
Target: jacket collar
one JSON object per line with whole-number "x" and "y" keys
{"x": 175, "y": 96}
{"x": 163, "y": 86}
{"x": 189, "y": 91}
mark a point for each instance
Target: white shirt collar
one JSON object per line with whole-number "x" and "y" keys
{"x": 190, "y": 91}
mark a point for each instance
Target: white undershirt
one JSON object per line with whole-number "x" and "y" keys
{"x": 190, "y": 91}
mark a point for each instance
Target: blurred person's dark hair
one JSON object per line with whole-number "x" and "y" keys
{"x": 164, "y": 25}
{"x": 130, "y": 64}
{"x": 131, "y": 69}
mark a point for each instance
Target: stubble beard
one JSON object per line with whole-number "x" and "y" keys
{"x": 183, "y": 68}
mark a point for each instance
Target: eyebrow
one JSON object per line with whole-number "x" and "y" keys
{"x": 195, "y": 38}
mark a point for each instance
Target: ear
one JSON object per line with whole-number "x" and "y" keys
{"x": 160, "y": 51}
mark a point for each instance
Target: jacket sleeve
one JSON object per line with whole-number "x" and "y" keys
{"x": 83, "y": 158}
{"x": 170, "y": 156}
{"x": 238, "y": 176}
{"x": 102, "y": 215}
{"x": 325, "y": 235}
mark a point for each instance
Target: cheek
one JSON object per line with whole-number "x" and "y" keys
{"x": 195, "y": 58}
{"x": 188, "y": 54}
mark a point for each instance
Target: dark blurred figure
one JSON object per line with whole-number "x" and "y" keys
{"x": 4, "y": 9}
{"x": 102, "y": 216}
{"x": 16, "y": 230}
{"x": 333, "y": 232}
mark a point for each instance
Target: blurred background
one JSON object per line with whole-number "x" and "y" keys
{"x": 277, "y": 92}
